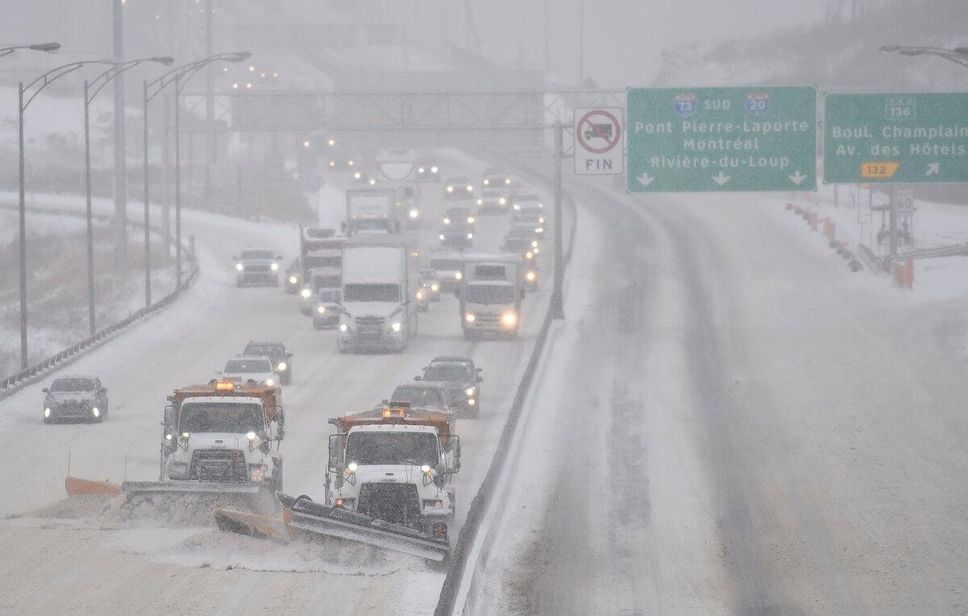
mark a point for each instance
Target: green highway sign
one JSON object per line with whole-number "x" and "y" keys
{"x": 890, "y": 138}
{"x": 722, "y": 139}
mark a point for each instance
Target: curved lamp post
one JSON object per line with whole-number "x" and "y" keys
{"x": 958, "y": 55}
{"x": 48, "y": 47}
{"x": 91, "y": 90}
{"x": 179, "y": 76}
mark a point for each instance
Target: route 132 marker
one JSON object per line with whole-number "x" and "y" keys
{"x": 598, "y": 141}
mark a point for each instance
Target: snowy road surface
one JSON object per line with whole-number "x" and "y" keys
{"x": 54, "y": 565}
{"x": 732, "y": 424}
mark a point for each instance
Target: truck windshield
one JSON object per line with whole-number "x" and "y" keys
{"x": 490, "y": 294}
{"x": 371, "y": 293}
{"x": 311, "y": 262}
{"x": 325, "y": 282}
{"x": 269, "y": 350}
{"x": 416, "y": 448}
{"x": 370, "y": 224}
{"x": 328, "y": 296}
{"x": 445, "y": 264}
{"x": 257, "y": 254}
{"x": 225, "y": 417}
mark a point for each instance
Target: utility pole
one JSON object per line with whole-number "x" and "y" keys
{"x": 557, "y": 300}
{"x": 892, "y": 223}
{"x": 209, "y": 98}
{"x": 165, "y": 144}
{"x": 120, "y": 167}
{"x": 581, "y": 43}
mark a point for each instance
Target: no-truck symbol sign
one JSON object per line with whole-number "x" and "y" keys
{"x": 598, "y": 141}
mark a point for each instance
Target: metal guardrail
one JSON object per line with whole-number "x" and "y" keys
{"x": 956, "y": 250}
{"x": 478, "y": 507}
{"x": 13, "y": 384}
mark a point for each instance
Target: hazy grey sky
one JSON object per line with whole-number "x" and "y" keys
{"x": 624, "y": 39}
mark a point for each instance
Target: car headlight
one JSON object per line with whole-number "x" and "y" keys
{"x": 470, "y": 236}
{"x": 305, "y": 293}
{"x": 480, "y": 202}
{"x": 531, "y": 276}
{"x": 529, "y": 255}
{"x": 447, "y": 221}
{"x": 239, "y": 267}
{"x": 350, "y": 162}
{"x": 517, "y": 206}
{"x": 471, "y": 402}
{"x": 442, "y": 237}
{"x": 357, "y": 175}
{"x": 282, "y": 366}
{"x": 450, "y": 189}
{"x": 502, "y": 201}
{"x": 458, "y": 276}
{"x": 470, "y": 188}
{"x": 414, "y": 213}
{"x": 371, "y": 181}
{"x": 509, "y": 319}
{"x": 270, "y": 382}
{"x": 257, "y": 472}
{"x": 420, "y": 295}
{"x": 274, "y": 267}
{"x": 433, "y": 169}
{"x": 469, "y": 391}
{"x": 541, "y": 219}
{"x": 534, "y": 243}
{"x": 435, "y": 287}
{"x": 352, "y": 466}
{"x": 293, "y": 280}
{"x": 507, "y": 180}
{"x": 343, "y": 327}
{"x": 47, "y": 412}
{"x": 321, "y": 309}
{"x": 396, "y": 326}
{"x": 470, "y": 220}
{"x": 332, "y": 163}
{"x": 470, "y": 317}
{"x": 421, "y": 170}
{"x": 539, "y": 230}
{"x": 487, "y": 182}
{"x": 95, "y": 411}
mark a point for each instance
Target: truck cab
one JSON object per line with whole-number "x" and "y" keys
{"x": 377, "y": 314}
{"x": 490, "y": 295}
{"x": 395, "y": 464}
{"x": 223, "y": 433}
{"x": 371, "y": 211}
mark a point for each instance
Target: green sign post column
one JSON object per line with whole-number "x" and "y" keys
{"x": 891, "y": 138}
{"x": 722, "y": 139}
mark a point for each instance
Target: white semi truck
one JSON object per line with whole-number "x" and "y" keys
{"x": 395, "y": 464}
{"x": 490, "y": 294}
{"x": 371, "y": 211}
{"x": 376, "y": 290}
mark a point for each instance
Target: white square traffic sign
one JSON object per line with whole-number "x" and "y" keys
{"x": 598, "y": 141}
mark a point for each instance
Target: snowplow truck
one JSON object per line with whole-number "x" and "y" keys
{"x": 217, "y": 439}
{"x": 395, "y": 464}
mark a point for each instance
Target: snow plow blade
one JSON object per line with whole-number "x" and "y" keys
{"x": 83, "y": 487}
{"x": 303, "y": 516}
{"x": 315, "y": 518}
{"x": 191, "y": 487}
{"x": 253, "y": 524}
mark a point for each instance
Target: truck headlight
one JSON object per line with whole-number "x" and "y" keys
{"x": 507, "y": 181}
{"x": 321, "y": 309}
{"x": 487, "y": 182}
{"x": 274, "y": 267}
{"x": 446, "y": 221}
{"x": 95, "y": 411}
{"x": 458, "y": 276}
{"x": 502, "y": 201}
{"x": 470, "y": 236}
{"x": 257, "y": 472}
{"x": 529, "y": 255}
{"x": 420, "y": 294}
{"x": 470, "y": 317}
{"x": 434, "y": 169}
{"x": 480, "y": 202}
{"x": 282, "y": 366}
{"x": 270, "y": 382}
{"x": 517, "y": 206}
{"x": 470, "y": 220}
{"x": 305, "y": 293}
{"x": 435, "y": 287}
{"x": 293, "y": 280}
{"x": 541, "y": 219}
{"x": 414, "y": 213}
{"x": 239, "y": 267}
{"x": 421, "y": 170}
{"x": 534, "y": 243}
{"x": 509, "y": 319}
{"x": 531, "y": 276}
{"x": 470, "y": 188}
{"x": 450, "y": 189}
{"x": 47, "y": 412}
{"x": 396, "y": 326}
{"x": 539, "y": 230}
{"x": 343, "y": 327}
{"x": 469, "y": 391}
{"x": 441, "y": 237}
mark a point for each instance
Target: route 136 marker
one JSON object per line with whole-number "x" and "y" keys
{"x": 598, "y": 141}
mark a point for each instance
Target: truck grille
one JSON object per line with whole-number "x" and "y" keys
{"x": 394, "y": 502}
{"x": 487, "y": 320}
{"x": 370, "y": 327}
{"x": 218, "y": 465}
{"x": 254, "y": 268}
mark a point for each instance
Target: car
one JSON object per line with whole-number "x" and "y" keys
{"x": 294, "y": 274}
{"x": 408, "y": 202}
{"x": 526, "y": 202}
{"x": 328, "y": 308}
{"x": 428, "y": 170}
{"x": 526, "y": 231}
{"x": 258, "y": 266}
{"x": 364, "y": 177}
{"x": 428, "y": 278}
{"x": 422, "y": 297}
{"x": 75, "y": 397}
{"x": 492, "y": 201}
{"x": 533, "y": 220}
{"x": 427, "y": 397}
{"x": 458, "y": 187}
{"x": 250, "y": 370}
{"x": 524, "y": 246}
{"x": 277, "y": 353}
{"x": 496, "y": 178}
{"x": 458, "y": 235}
{"x": 448, "y": 265}
{"x": 460, "y": 378}
{"x": 343, "y": 160}
{"x": 460, "y": 216}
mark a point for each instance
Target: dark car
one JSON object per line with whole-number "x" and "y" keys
{"x": 460, "y": 216}
{"x": 294, "y": 276}
{"x": 429, "y": 397}
{"x": 428, "y": 171}
{"x": 458, "y": 187}
{"x": 460, "y": 379}
{"x": 457, "y": 235}
{"x": 496, "y": 178}
{"x": 430, "y": 281}
{"x": 328, "y": 308}
{"x": 276, "y": 352}
{"x": 80, "y": 398}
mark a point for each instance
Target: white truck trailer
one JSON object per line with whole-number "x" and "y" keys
{"x": 371, "y": 211}
{"x": 490, "y": 293}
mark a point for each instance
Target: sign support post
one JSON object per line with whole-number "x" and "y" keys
{"x": 557, "y": 301}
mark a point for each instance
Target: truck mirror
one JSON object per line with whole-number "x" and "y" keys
{"x": 169, "y": 416}
{"x": 334, "y": 453}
